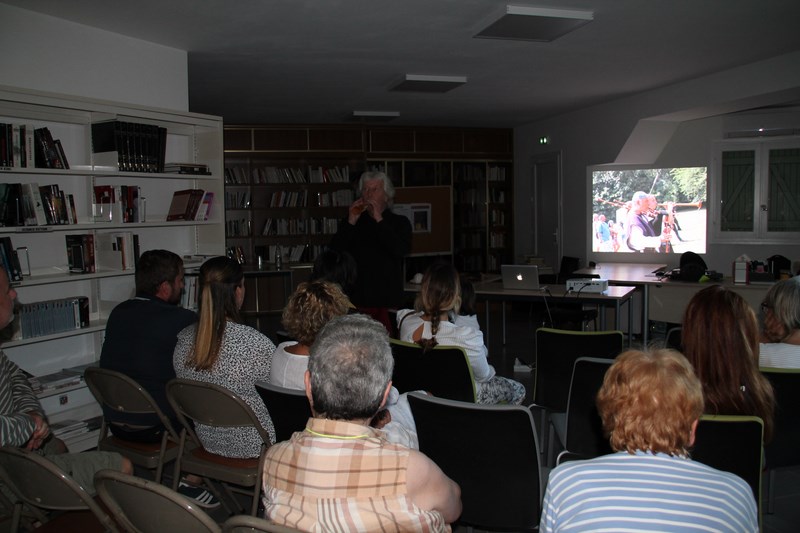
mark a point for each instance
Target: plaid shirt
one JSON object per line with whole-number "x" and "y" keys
{"x": 16, "y": 399}
{"x": 339, "y": 476}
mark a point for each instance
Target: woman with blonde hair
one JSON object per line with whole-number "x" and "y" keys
{"x": 430, "y": 324}
{"x": 312, "y": 305}
{"x": 221, "y": 350}
{"x": 720, "y": 338}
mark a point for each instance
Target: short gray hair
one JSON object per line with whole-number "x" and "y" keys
{"x": 350, "y": 364}
{"x": 388, "y": 186}
{"x": 783, "y": 299}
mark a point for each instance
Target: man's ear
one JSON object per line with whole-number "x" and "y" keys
{"x": 386, "y": 394}
{"x": 692, "y": 433}
{"x": 307, "y": 380}
{"x": 164, "y": 290}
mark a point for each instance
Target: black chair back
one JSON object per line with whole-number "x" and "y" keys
{"x": 734, "y": 444}
{"x": 443, "y": 371}
{"x": 782, "y": 450}
{"x": 288, "y": 408}
{"x": 483, "y": 448}
{"x": 585, "y": 437}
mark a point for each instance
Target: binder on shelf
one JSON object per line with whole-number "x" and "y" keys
{"x": 185, "y": 204}
{"x": 81, "y": 253}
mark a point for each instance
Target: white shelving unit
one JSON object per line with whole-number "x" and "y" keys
{"x": 191, "y": 137}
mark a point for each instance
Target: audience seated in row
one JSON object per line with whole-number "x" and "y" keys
{"x": 221, "y": 350}
{"x": 650, "y": 404}
{"x": 780, "y": 335}
{"x": 431, "y": 323}
{"x": 340, "y": 473}
{"x": 720, "y": 338}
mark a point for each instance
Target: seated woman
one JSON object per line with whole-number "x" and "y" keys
{"x": 467, "y": 314}
{"x": 337, "y": 267}
{"x": 720, "y": 339}
{"x": 220, "y": 350}
{"x": 780, "y": 334}
{"x": 312, "y": 305}
{"x": 430, "y": 324}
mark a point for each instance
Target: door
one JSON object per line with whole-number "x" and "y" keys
{"x": 546, "y": 208}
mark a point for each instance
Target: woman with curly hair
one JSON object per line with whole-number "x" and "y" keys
{"x": 720, "y": 338}
{"x": 312, "y": 305}
{"x": 430, "y": 324}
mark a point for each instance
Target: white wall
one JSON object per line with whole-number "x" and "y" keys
{"x": 670, "y": 126}
{"x": 50, "y": 54}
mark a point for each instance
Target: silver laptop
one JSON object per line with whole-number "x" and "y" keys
{"x": 524, "y": 277}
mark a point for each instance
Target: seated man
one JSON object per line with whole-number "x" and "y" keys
{"x": 342, "y": 466}
{"x": 650, "y": 404}
{"x": 22, "y": 419}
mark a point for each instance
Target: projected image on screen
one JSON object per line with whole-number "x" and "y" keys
{"x": 649, "y": 210}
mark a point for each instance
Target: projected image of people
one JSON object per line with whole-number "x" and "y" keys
{"x": 656, "y": 210}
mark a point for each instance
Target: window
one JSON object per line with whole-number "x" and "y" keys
{"x": 756, "y": 191}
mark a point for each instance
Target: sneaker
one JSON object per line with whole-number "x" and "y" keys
{"x": 199, "y": 495}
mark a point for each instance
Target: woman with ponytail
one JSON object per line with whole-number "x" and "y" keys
{"x": 430, "y": 324}
{"x": 221, "y": 350}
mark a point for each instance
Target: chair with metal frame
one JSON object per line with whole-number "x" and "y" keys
{"x": 288, "y": 408}
{"x": 54, "y": 497}
{"x": 583, "y": 436}
{"x": 556, "y": 353}
{"x": 505, "y": 454}
{"x": 443, "y": 371}
{"x": 197, "y": 402}
{"x": 145, "y": 506}
{"x": 117, "y": 392}
{"x": 782, "y": 451}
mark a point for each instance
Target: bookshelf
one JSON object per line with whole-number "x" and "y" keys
{"x": 189, "y": 137}
{"x": 476, "y": 163}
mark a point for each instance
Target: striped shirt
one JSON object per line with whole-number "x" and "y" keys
{"x": 646, "y": 492}
{"x": 16, "y": 398}
{"x": 779, "y": 355}
{"x": 339, "y": 476}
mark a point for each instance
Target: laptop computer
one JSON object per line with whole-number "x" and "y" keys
{"x": 523, "y": 277}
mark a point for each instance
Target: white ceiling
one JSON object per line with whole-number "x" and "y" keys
{"x": 316, "y": 61}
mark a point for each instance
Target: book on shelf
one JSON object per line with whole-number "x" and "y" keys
{"x": 186, "y": 168}
{"x": 46, "y": 152}
{"x": 185, "y": 204}
{"x": 33, "y": 206}
{"x": 204, "y": 209}
{"x": 12, "y": 211}
{"x": 10, "y": 259}
{"x": 48, "y": 317}
{"x": 130, "y": 146}
{"x": 81, "y": 253}
{"x": 116, "y": 251}
{"x": 55, "y": 381}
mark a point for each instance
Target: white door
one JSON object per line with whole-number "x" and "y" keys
{"x": 546, "y": 208}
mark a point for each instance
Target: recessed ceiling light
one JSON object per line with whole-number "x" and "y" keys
{"x": 527, "y": 23}
{"x": 429, "y": 84}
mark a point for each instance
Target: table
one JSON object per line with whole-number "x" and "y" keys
{"x": 615, "y": 296}
{"x": 640, "y": 275}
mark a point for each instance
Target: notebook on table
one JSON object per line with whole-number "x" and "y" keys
{"x": 525, "y": 277}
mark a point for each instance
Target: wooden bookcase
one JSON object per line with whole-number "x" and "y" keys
{"x": 191, "y": 138}
{"x": 476, "y": 163}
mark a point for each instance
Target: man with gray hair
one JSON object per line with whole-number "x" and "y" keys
{"x": 340, "y": 473}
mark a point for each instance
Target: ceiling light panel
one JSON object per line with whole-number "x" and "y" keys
{"x": 429, "y": 84}
{"x": 528, "y": 23}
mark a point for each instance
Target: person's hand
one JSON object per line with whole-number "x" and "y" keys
{"x": 375, "y": 207}
{"x": 356, "y": 208}
{"x": 40, "y": 432}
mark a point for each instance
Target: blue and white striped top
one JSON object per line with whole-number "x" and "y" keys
{"x": 646, "y": 492}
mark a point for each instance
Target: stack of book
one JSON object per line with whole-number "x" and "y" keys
{"x": 28, "y": 204}
{"x": 187, "y": 168}
{"x": 57, "y": 381}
